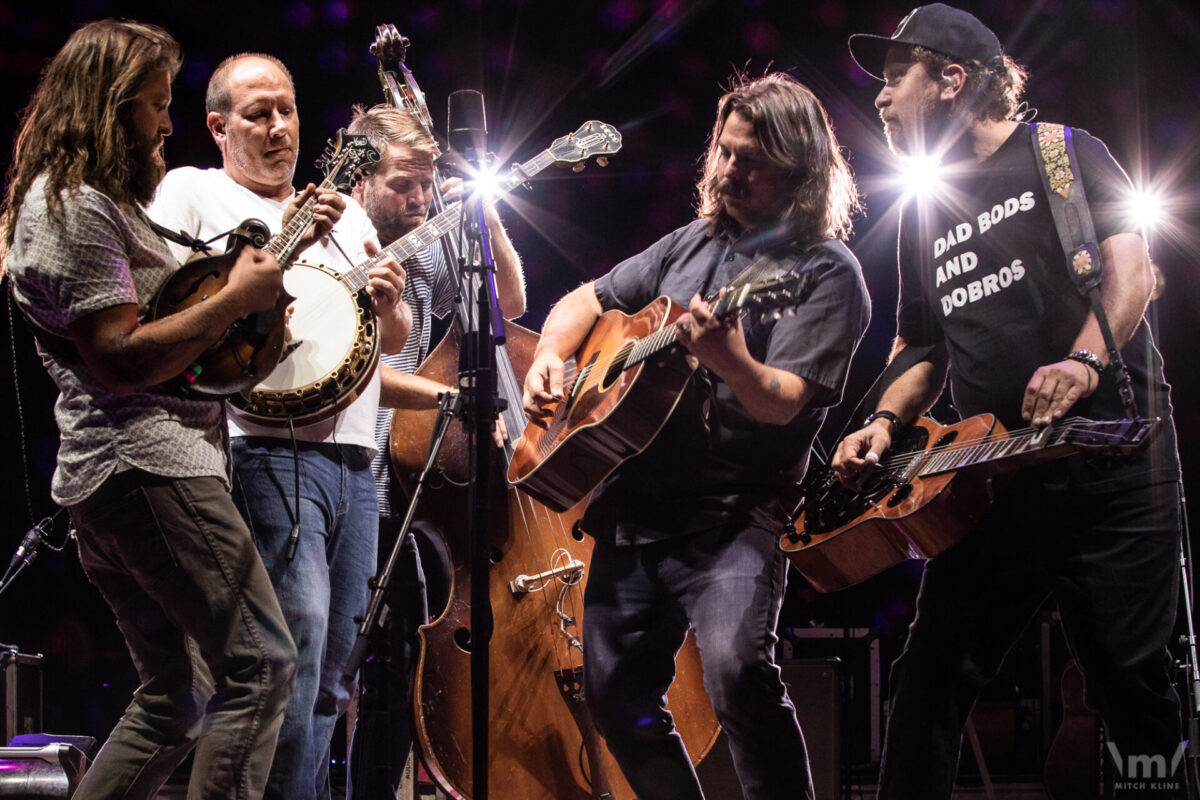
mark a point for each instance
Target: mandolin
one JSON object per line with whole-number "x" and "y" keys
{"x": 250, "y": 348}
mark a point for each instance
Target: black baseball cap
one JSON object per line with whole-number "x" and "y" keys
{"x": 950, "y": 31}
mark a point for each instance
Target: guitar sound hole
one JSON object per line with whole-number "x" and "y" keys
{"x": 902, "y": 494}
{"x": 462, "y": 638}
{"x": 829, "y": 505}
{"x": 618, "y": 365}
{"x": 947, "y": 439}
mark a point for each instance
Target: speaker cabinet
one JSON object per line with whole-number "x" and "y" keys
{"x": 814, "y": 686}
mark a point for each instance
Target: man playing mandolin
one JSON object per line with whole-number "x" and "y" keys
{"x": 685, "y": 531}
{"x": 307, "y": 493}
{"x": 141, "y": 468}
{"x": 1018, "y": 341}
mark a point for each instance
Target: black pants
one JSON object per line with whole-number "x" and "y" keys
{"x": 383, "y": 733}
{"x": 1111, "y": 563}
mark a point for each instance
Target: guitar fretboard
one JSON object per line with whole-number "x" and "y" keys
{"x": 1068, "y": 433}
{"x": 438, "y": 226}
{"x": 283, "y": 245}
{"x": 953, "y": 458}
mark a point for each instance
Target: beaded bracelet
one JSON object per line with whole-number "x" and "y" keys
{"x": 1087, "y": 358}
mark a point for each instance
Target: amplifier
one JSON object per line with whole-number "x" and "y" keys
{"x": 20, "y": 692}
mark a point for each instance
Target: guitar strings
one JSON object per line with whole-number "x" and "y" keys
{"x": 1017, "y": 435}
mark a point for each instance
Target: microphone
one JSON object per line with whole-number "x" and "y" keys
{"x": 466, "y": 125}
{"x": 28, "y": 548}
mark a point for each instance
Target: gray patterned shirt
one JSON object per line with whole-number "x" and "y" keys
{"x": 97, "y": 256}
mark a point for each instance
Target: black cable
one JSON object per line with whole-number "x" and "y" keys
{"x": 293, "y": 540}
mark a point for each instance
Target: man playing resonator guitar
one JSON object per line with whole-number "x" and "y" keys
{"x": 320, "y": 546}
{"x": 684, "y": 530}
{"x": 1101, "y": 536}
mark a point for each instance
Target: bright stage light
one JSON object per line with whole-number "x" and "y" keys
{"x": 1148, "y": 208}
{"x": 920, "y": 176}
{"x": 486, "y": 183}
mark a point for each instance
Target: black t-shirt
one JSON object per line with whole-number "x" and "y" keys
{"x": 981, "y": 267}
{"x": 712, "y": 465}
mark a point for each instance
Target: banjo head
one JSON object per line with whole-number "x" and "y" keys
{"x": 328, "y": 358}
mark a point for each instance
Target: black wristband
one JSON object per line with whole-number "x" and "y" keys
{"x": 1087, "y": 358}
{"x": 888, "y": 415}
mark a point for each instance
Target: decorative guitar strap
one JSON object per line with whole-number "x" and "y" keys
{"x": 1073, "y": 220}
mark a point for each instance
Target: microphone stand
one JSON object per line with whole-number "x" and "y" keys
{"x": 477, "y": 404}
{"x": 478, "y": 388}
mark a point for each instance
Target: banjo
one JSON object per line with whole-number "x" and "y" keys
{"x": 330, "y": 354}
{"x": 334, "y": 346}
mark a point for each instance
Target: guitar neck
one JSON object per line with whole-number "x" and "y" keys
{"x": 438, "y": 226}
{"x": 1020, "y": 448}
{"x": 283, "y": 245}
{"x": 723, "y": 306}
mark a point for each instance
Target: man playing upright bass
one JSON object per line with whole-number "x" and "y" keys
{"x": 397, "y": 195}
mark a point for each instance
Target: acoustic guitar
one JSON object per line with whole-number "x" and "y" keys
{"x": 631, "y": 374}
{"x": 928, "y": 491}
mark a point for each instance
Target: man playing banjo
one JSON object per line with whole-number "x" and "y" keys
{"x": 307, "y": 493}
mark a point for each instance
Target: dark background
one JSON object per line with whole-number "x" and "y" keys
{"x": 1126, "y": 71}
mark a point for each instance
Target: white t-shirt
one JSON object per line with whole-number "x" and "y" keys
{"x": 206, "y": 203}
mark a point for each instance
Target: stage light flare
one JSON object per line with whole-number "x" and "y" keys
{"x": 1148, "y": 207}
{"x": 920, "y": 176}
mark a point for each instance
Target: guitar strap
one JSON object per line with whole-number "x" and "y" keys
{"x": 1055, "y": 153}
{"x": 182, "y": 237}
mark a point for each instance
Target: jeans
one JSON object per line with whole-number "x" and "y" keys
{"x": 640, "y": 600}
{"x": 321, "y": 588}
{"x": 1111, "y": 563}
{"x": 174, "y": 561}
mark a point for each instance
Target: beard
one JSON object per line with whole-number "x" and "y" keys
{"x": 928, "y": 134}
{"x": 146, "y": 168}
{"x": 388, "y": 225}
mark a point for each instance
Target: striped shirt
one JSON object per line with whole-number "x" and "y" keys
{"x": 429, "y": 289}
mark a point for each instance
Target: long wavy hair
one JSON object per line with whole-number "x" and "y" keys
{"x": 77, "y": 127}
{"x": 797, "y": 137}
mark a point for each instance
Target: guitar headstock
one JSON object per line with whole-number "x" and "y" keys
{"x": 345, "y": 158}
{"x": 593, "y": 138}
{"x": 1111, "y": 436}
{"x": 769, "y": 298}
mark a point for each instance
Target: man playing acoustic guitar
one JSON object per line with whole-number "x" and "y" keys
{"x": 1018, "y": 341}
{"x": 685, "y": 531}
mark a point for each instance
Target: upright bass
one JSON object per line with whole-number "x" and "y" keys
{"x": 542, "y": 744}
